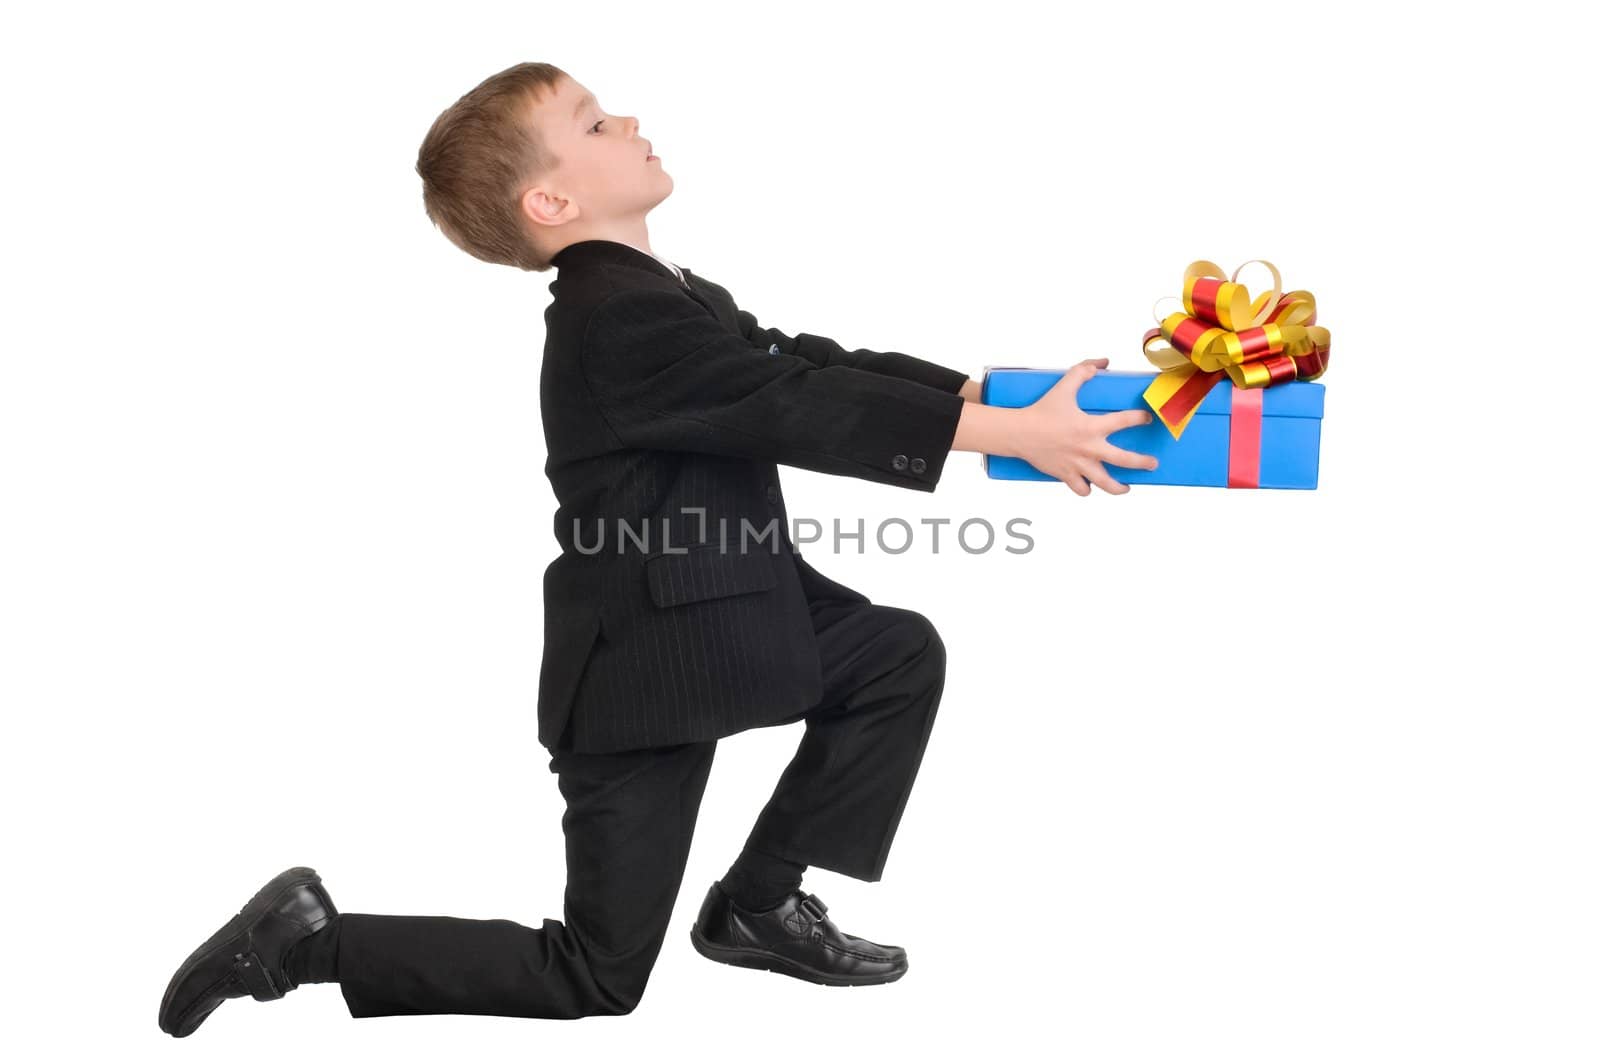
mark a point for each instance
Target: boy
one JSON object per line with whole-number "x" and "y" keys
{"x": 679, "y": 611}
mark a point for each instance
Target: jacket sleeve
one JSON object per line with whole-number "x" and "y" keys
{"x": 823, "y": 352}
{"x": 667, "y": 375}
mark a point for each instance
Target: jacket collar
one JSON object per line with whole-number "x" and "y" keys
{"x": 586, "y": 253}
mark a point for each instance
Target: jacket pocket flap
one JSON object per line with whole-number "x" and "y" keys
{"x": 707, "y": 571}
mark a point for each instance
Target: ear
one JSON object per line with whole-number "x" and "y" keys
{"x": 544, "y": 207}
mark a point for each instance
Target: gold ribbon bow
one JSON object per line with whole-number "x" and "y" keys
{"x": 1256, "y": 342}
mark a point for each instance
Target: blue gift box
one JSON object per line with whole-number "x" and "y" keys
{"x": 1291, "y": 429}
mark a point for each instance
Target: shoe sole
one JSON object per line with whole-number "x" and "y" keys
{"x": 266, "y": 897}
{"x": 761, "y": 960}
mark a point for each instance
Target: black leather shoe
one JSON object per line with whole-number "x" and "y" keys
{"x": 246, "y": 956}
{"x": 796, "y": 938}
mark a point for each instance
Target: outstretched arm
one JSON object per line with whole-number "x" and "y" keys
{"x": 667, "y": 375}
{"x": 823, "y": 352}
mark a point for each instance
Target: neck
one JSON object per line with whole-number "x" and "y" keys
{"x": 631, "y": 232}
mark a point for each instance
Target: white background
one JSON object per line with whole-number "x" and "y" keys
{"x": 1218, "y": 774}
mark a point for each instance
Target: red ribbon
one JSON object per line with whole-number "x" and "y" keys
{"x": 1244, "y": 437}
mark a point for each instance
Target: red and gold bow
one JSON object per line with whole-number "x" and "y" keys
{"x": 1260, "y": 342}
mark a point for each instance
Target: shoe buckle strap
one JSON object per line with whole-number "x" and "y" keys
{"x": 255, "y": 977}
{"x": 812, "y": 905}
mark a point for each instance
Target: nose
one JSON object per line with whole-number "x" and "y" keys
{"x": 634, "y": 122}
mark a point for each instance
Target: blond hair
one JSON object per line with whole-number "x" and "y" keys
{"x": 478, "y": 157}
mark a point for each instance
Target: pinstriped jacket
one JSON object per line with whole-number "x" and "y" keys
{"x": 678, "y": 609}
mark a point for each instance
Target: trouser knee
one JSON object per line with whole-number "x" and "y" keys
{"x": 619, "y": 984}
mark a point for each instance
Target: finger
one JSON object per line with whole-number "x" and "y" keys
{"x": 1073, "y": 378}
{"x": 1121, "y": 419}
{"x": 1077, "y": 483}
{"x": 1102, "y": 479}
{"x": 1099, "y": 362}
{"x": 1128, "y": 459}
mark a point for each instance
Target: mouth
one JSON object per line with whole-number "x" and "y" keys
{"x": 649, "y": 157}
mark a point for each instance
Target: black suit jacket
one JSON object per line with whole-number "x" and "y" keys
{"x": 678, "y": 610}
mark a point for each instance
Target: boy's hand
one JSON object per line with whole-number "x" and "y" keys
{"x": 1069, "y": 444}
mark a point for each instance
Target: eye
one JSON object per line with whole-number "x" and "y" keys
{"x": 597, "y": 125}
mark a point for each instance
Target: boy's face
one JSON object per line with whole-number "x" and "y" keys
{"x": 606, "y": 176}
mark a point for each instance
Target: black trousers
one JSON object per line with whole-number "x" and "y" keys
{"x": 628, "y": 823}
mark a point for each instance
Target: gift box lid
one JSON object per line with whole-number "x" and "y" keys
{"x": 1123, "y": 389}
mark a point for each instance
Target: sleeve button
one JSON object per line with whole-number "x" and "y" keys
{"x": 918, "y": 465}
{"x": 773, "y": 349}
{"x": 899, "y": 462}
